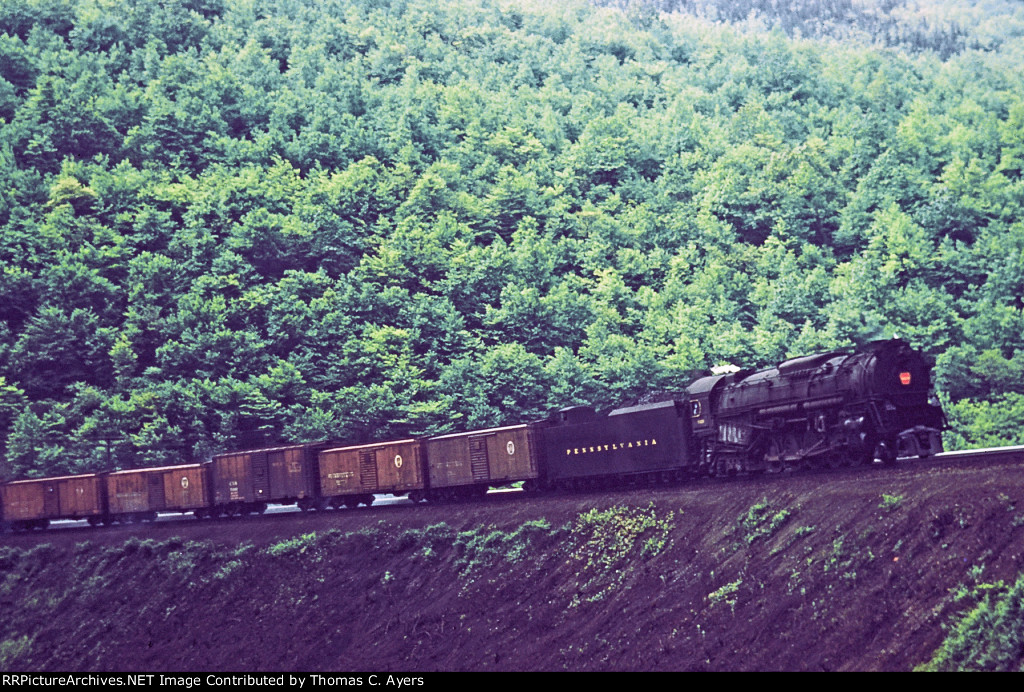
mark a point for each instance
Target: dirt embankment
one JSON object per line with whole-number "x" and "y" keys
{"x": 856, "y": 571}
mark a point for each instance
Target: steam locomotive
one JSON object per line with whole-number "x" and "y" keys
{"x": 830, "y": 409}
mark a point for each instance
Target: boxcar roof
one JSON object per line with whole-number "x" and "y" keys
{"x": 369, "y": 445}
{"x": 470, "y": 433}
{"x": 170, "y": 467}
{"x": 55, "y": 478}
{"x": 259, "y": 450}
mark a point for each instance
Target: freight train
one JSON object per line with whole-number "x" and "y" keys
{"x": 870, "y": 405}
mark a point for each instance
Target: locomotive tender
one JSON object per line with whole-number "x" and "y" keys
{"x": 828, "y": 409}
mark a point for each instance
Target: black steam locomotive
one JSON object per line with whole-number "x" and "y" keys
{"x": 829, "y": 409}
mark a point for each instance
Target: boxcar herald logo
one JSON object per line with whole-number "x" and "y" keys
{"x": 511, "y": 447}
{"x": 611, "y": 447}
{"x": 184, "y": 482}
{"x": 398, "y": 461}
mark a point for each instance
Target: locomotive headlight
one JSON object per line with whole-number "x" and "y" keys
{"x": 905, "y": 378}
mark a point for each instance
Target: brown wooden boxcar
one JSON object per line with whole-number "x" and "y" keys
{"x": 248, "y": 481}
{"x": 463, "y": 464}
{"x": 35, "y": 503}
{"x": 352, "y": 475}
{"x": 139, "y": 494}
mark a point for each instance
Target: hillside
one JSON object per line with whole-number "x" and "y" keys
{"x": 229, "y": 223}
{"x": 861, "y": 570}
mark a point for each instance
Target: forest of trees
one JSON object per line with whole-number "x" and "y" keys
{"x": 226, "y": 222}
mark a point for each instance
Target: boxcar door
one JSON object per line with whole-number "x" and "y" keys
{"x": 157, "y": 496}
{"x": 478, "y": 460}
{"x": 51, "y": 500}
{"x": 282, "y": 471}
{"x": 368, "y": 469}
{"x": 260, "y": 476}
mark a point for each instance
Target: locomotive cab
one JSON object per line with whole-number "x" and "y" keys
{"x": 699, "y": 397}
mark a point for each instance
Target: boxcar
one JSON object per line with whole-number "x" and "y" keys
{"x": 353, "y": 475}
{"x": 35, "y": 503}
{"x": 467, "y": 464}
{"x": 138, "y": 494}
{"x": 646, "y": 442}
{"x": 248, "y": 481}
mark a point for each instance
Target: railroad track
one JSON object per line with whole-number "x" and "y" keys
{"x": 992, "y": 454}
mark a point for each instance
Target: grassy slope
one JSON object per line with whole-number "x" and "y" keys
{"x": 864, "y": 574}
